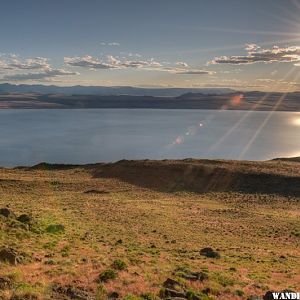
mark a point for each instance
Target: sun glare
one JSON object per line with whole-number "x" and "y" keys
{"x": 296, "y": 121}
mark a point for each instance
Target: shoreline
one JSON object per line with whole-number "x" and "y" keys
{"x": 234, "y": 101}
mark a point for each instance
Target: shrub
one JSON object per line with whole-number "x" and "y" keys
{"x": 119, "y": 264}
{"x": 55, "y": 228}
{"x": 107, "y": 275}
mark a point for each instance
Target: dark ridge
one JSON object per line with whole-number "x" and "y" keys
{"x": 48, "y": 166}
{"x": 292, "y": 159}
{"x": 203, "y": 176}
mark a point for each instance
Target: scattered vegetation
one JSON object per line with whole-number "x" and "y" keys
{"x": 149, "y": 237}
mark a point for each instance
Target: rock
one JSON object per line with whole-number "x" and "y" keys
{"x": 10, "y": 256}
{"x": 194, "y": 276}
{"x": 113, "y": 295}
{"x": 201, "y": 276}
{"x": 206, "y": 291}
{"x": 166, "y": 293}
{"x": 172, "y": 284}
{"x": 189, "y": 277}
{"x": 7, "y": 213}
{"x": 24, "y": 219}
{"x": 209, "y": 252}
{"x": 16, "y": 224}
{"x": 5, "y": 283}
{"x": 71, "y": 292}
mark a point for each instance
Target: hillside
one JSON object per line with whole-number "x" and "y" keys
{"x": 206, "y": 229}
{"x": 258, "y": 101}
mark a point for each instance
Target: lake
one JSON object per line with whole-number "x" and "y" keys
{"x": 83, "y": 136}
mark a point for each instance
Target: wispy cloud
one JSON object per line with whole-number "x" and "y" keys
{"x": 45, "y": 75}
{"x": 110, "y": 44}
{"x": 89, "y": 62}
{"x": 14, "y": 62}
{"x": 27, "y": 64}
{"x": 112, "y": 62}
{"x": 182, "y": 64}
{"x": 255, "y": 54}
{"x": 195, "y": 72}
{"x": 13, "y": 65}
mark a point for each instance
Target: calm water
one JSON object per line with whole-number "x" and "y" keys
{"x": 84, "y": 136}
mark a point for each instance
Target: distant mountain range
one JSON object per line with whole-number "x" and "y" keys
{"x": 104, "y": 90}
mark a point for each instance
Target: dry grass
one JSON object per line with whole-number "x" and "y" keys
{"x": 109, "y": 216}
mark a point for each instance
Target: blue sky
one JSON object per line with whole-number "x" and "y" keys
{"x": 193, "y": 43}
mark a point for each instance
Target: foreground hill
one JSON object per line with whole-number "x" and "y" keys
{"x": 188, "y": 229}
{"x": 226, "y": 101}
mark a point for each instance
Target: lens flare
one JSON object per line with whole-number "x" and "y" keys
{"x": 236, "y": 99}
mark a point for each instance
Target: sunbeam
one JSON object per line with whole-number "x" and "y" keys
{"x": 246, "y": 115}
{"x": 270, "y": 114}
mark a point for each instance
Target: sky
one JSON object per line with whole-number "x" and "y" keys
{"x": 241, "y": 44}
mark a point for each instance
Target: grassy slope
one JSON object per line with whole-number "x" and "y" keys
{"x": 162, "y": 225}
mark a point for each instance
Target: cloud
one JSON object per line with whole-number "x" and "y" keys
{"x": 252, "y": 47}
{"x": 255, "y": 55}
{"x": 195, "y": 72}
{"x": 134, "y": 54}
{"x": 12, "y": 65}
{"x": 237, "y": 85}
{"x": 182, "y": 64}
{"x": 150, "y": 64}
{"x": 112, "y": 62}
{"x": 281, "y": 81}
{"x": 267, "y": 80}
{"x": 44, "y": 75}
{"x": 2, "y": 64}
{"x": 27, "y": 64}
{"x": 88, "y": 61}
{"x": 110, "y": 44}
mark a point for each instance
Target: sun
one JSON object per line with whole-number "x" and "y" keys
{"x": 296, "y": 121}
